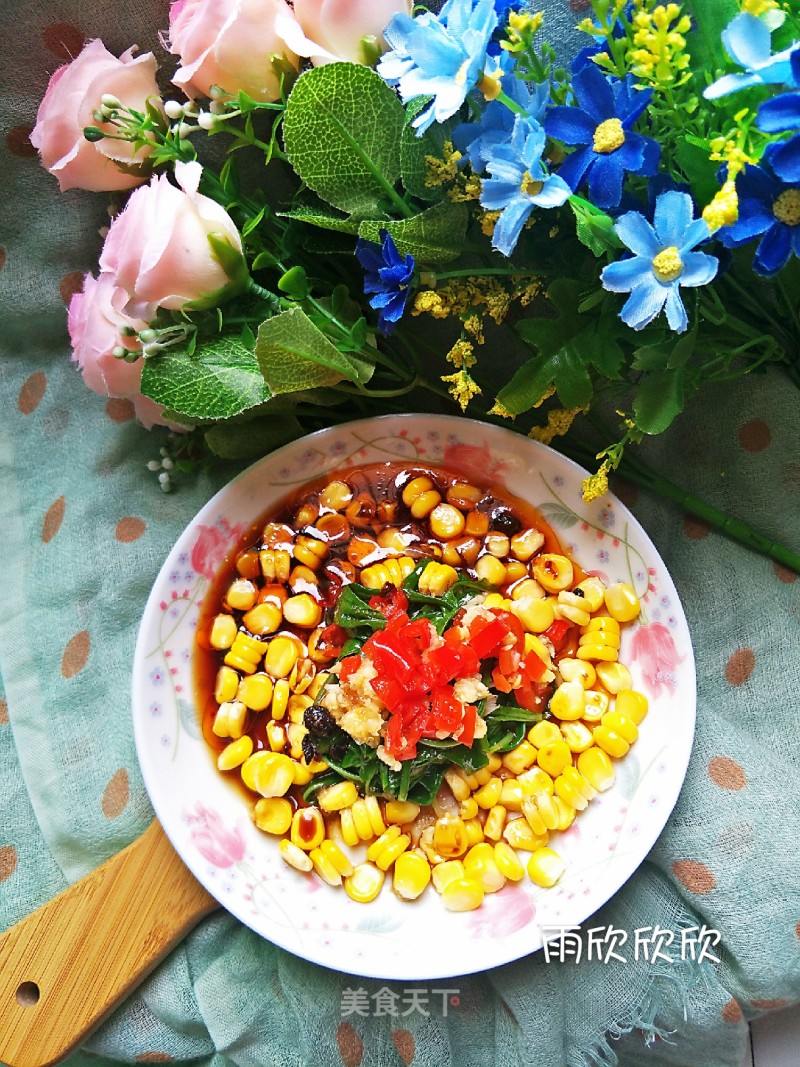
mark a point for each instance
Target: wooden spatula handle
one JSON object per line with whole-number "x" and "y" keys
{"x": 63, "y": 968}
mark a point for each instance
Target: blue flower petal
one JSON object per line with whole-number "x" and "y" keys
{"x": 571, "y": 125}
{"x": 509, "y": 226}
{"x": 698, "y": 269}
{"x": 554, "y": 192}
{"x": 754, "y": 219}
{"x": 747, "y": 41}
{"x": 642, "y": 306}
{"x": 730, "y": 83}
{"x": 676, "y": 312}
{"x": 635, "y": 231}
{"x": 673, "y": 214}
{"x": 573, "y": 168}
{"x": 626, "y": 274}
{"x": 780, "y": 114}
{"x": 594, "y": 93}
{"x": 773, "y": 251}
{"x": 605, "y": 181}
{"x": 785, "y": 159}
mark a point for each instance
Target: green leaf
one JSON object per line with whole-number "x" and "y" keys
{"x": 658, "y": 401}
{"x": 294, "y": 283}
{"x": 710, "y": 17}
{"x": 342, "y": 132}
{"x": 294, "y": 354}
{"x": 594, "y": 228}
{"x": 414, "y": 149}
{"x": 323, "y": 218}
{"x": 700, "y": 171}
{"x": 219, "y": 380}
{"x": 651, "y": 357}
{"x": 256, "y": 437}
{"x": 434, "y": 236}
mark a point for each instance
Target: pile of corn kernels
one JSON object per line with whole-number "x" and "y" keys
{"x": 276, "y": 653}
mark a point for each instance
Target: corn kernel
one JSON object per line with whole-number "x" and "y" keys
{"x": 541, "y": 813}
{"x": 273, "y": 815}
{"x": 401, "y": 812}
{"x": 276, "y": 564}
{"x": 614, "y": 676}
{"x": 308, "y": 828}
{"x": 577, "y": 735}
{"x": 412, "y": 875}
{"x": 302, "y": 610}
{"x": 386, "y": 838}
{"x": 554, "y": 757}
{"x": 223, "y": 632}
{"x": 490, "y": 569}
{"x": 280, "y": 698}
{"x": 276, "y": 736}
{"x": 553, "y": 572}
{"x": 415, "y": 488}
{"x": 331, "y": 851}
{"x": 462, "y": 894}
{"x": 508, "y": 862}
{"x": 496, "y": 600}
{"x": 593, "y": 592}
{"x": 445, "y": 521}
{"x": 544, "y": 732}
{"x": 520, "y": 758}
{"x": 302, "y": 773}
{"x": 518, "y": 834}
{"x": 512, "y": 795}
{"x": 528, "y": 588}
{"x": 386, "y": 856}
{"x": 247, "y": 564}
{"x": 619, "y": 722}
{"x": 338, "y": 796}
{"x": 477, "y": 524}
{"x": 324, "y": 868}
{"x": 467, "y": 809}
{"x": 294, "y": 856}
{"x": 596, "y": 705}
{"x": 526, "y": 543}
{"x": 574, "y": 789}
{"x": 253, "y": 765}
{"x": 566, "y": 813}
{"x": 234, "y": 754}
{"x": 498, "y": 544}
{"x": 621, "y": 601}
{"x": 241, "y": 594}
{"x": 437, "y": 578}
{"x": 230, "y": 719}
{"x": 264, "y": 618}
{"x": 282, "y": 654}
{"x": 545, "y": 867}
{"x": 373, "y": 810}
{"x": 336, "y": 495}
{"x": 347, "y": 825}
{"x": 534, "y": 614}
{"x": 450, "y": 836}
{"x": 248, "y": 647}
{"x": 426, "y": 844}
{"x": 273, "y": 777}
{"x": 577, "y": 670}
{"x": 516, "y": 571}
{"x": 596, "y": 768}
{"x": 444, "y": 873}
{"x": 568, "y": 701}
{"x": 631, "y": 703}
{"x": 535, "y": 780}
{"x": 571, "y": 613}
{"x": 226, "y": 684}
{"x": 610, "y": 741}
{"x": 604, "y": 623}
{"x": 495, "y": 762}
{"x": 364, "y": 884}
{"x": 495, "y": 823}
{"x": 488, "y": 795}
{"x": 255, "y": 691}
{"x": 597, "y": 653}
{"x": 479, "y": 864}
{"x": 425, "y": 503}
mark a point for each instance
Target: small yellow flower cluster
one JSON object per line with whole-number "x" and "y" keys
{"x": 474, "y": 324}
{"x": 464, "y": 297}
{"x": 461, "y": 354}
{"x": 596, "y": 485}
{"x": 462, "y": 387}
{"x": 758, "y": 7}
{"x": 442, "y": 171}
{"x": 659, "y": 55}
{"x": 466, "y": 187}
{"x": 729, "y": 149}
{"x": 520, "y": 31}
{"x": 559, "y": 421}
{"x": 488, "y": 221}
{"x": 723, "y": 210}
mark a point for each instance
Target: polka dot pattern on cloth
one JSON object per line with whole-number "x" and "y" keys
{"x": 18, "y": 141}
{"x": 3, "y": 712}
{"x": 116, "y": 795}
{"x": 129, "y": 529}
{"x": 69, "y": 285}
{"x": 8, "y": 862}
{"x": 31, "y": 392}
{"x": 76, "y": 653}
{"x": 350, "y": 1045}
{"x": 755, "y": 435}
{"x": 732, "y": 1013}
{"x": 405, "y": 1045}
{"x": 53, "y": 518}
{"x": 726, "y": 773}
{"x": 694, "y": 876}
{"x": 63, "y": 39}
{"x": 740, "y": 666}
{"x": 120, "y": 410}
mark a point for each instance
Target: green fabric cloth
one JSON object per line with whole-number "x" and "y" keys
{"x": 85, "y": 529}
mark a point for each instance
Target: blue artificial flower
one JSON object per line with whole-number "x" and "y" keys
{"x": 519, "y": 182}
{"x": 442, "y": 56}
{"x": 663, "y": 260}
{"x": 601, "y": 125}
{"x": 747, "y": 41}
{"x": 388, "y": 276}
{"x": 779, "y": 115}
{"x": 770, "y": 209}
{"x": 476, "y": 140}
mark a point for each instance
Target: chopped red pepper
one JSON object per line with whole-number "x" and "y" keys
{"x": 468, "y": 729}
{"x": 348, "y": 666}
{"x": 391, "y": 603}
{"x": 485, "y": 635}
{"x": 557, "y": 632}
{"x": 533, "y": 667}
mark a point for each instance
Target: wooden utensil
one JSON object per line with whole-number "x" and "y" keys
{"x": 66, "y": 966}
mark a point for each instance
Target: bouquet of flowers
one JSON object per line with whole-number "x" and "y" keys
{"x": 324, "y": 179}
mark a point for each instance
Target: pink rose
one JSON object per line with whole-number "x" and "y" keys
{"x": 173, "y": 246}
{"x": 337, "y": 27}
{"x": 214, "y": 841}
{"x": 74, "y": 93}
{"x": 229, "y": 43}
{"x": 654, "y": 648}
{"x": 94, "y": 329}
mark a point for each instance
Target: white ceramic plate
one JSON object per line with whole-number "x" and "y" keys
{"x": 207, "y": 820}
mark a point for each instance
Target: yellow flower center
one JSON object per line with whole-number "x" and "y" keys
{"x": 609, "y": 136}
{"x": 490, "y": 84}
{"x": 787, "y": 207}
{"x": 529, "y": 186}
{"x": 461, "y": 73}
{"x": 667, "y": 265}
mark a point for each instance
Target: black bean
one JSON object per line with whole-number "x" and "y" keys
{"x": 505, "y": 521}
{"x": 309, "y": 751}
{"x": 318, "y": 720}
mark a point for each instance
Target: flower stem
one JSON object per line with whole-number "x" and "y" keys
{"x": 480, "y": 272}
{"x": 512, "y": 105}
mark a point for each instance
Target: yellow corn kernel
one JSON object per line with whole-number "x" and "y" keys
{"x": 248, "y": 647}
{"x": 577, "y": 670}
{"x": 496, "y": 600}
{"x": 331, "y": 851}
{"x": 272, "y": 778}
{"x": 241, "y": 594}
{"x": 596, "y": 768}
{"x": 386, "y": 838}
{"x": 361, "y": 821}
{"x": 390, "y": 852}
{"x": 593, "y": 592}
{"x": 324, "y": 868}
{"x": 302, "y": 610}
{"x": 490, "y": 569}
{"x": 425, "y": 504}
{"x": 528, "y": 588}
{"x": 602, "y": 638}
{"x": 577, "y": 735}
{"x": 226, "y": 684}
{"x": 553, "y": 572}
{"x": 596, "y": 705}
{"x": 318, "y": 684}
{"x": 619, "y": 722}
{"x": 415, "y": 488}
{"x": 534, "y": 614}
{"x": 401, "y": 812}
{"x": 338, "y": 796}
{"x": 515, "y": 572}
{"x": 347, "y": 825}
{"x": 545, "y": 867}
{"x": 604, "y": 623}
{"x": 308, "y": 828}
{"x": 230, "y": 719}
{"x": 273, "y": 815}
{"x": 302, "y": 773}
{"x": 520, "y": 758}
{"x": 364, "y": 884}
{"x": 544, "y": 732}
{"x": 488, "y": 795}
{"x": 535, "y": 780}
{"x": 541, "y": 812}
{"x": 508, "y": 862}
{"x": 303, "y": 580}
{"x": 295, "y": 732}
{"x": 614, "y": 676}
{"x": 574, "y": 789}
{"x": 276, "y": 736}
{"x": 554, "y": 757}
{"x": 264, "y": 618}
{"x": 247, "y": 564}
{"x": 444, "y": 873}
{"x": 621, "y": 601}
{"x": 336, "y": 495}
{"x": 282, "y": 654}
{"x": 462, "y": 894}
{"x": 373, "y": 810}
{"x": 223, "y": 632}
{"x": 498, "y": 544}
{"x": 450, "y": 836}
{"x": 255, "y": 691}
{"x": 296, "y": 707}
{"x": 294, "y": 856}
{"x": 566, "y": 813}
{"x": 280, "y": 698}
{"x": 526, "y": 543}
{"x": 446, "y": 522}
{"x": 234, "y": 754}
{"x": 597, "y": 653}
{"x": 479, "y": 863}
{"x": 474, "y": 831}
{"x": 518, "y": 834}
{"x": 495, "y": 822}
{"x": 495, "y": 762}
{"x": 411, "y": 876}
{"x": 276, "y": 564}
{"x": 512, "y": 795}
{"x": 467, "y": 809}
{"x": 437, "y": 578}
{"x": 246, "y": 666}
{"x": 426, "y": 844}
{"x": 568, "y": 701}
{"x": 571, "y": 613}
{"x": 631, "y": 703}
{"x": 253, "y": 765}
